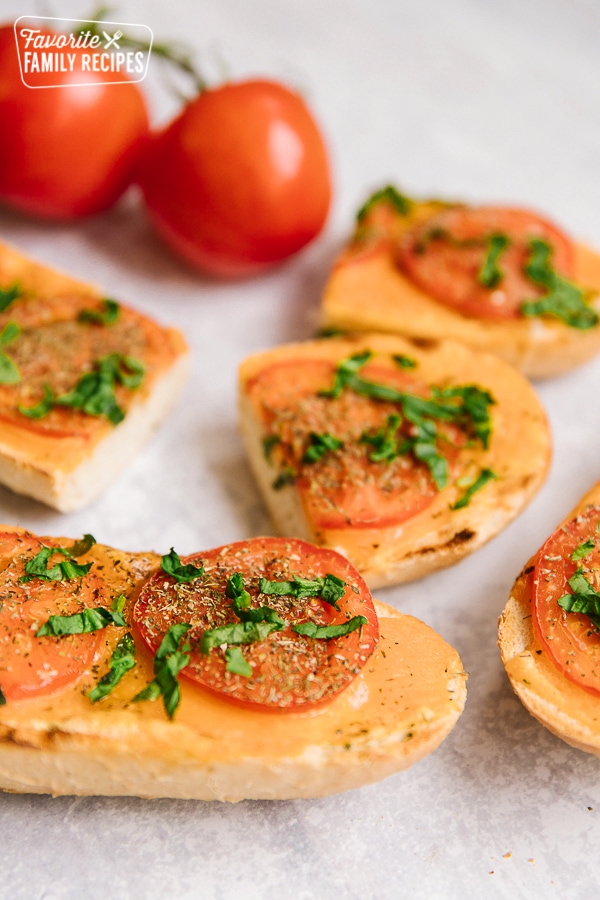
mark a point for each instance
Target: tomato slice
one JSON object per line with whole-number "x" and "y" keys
{"x": 344, "y": 489}
{"x": 31, "y": 666}
{"x": 445, "y": 254}
{"x": 290, "y": 672}
{"x": 570, "y": 639}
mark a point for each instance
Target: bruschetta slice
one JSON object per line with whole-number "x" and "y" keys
{"x": 549, "y": 632}
{"x": 502, "y": 280}
{"x": 404, "y": 457}
{"x": 84, "y": 380}
{"x": 261, "y": 669}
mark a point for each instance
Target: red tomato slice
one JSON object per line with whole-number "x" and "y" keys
{"x": 447, "y": 269}
{"x": 291, "y": 672}
{"x": 31, "y": 666}
{"x": 345, "y": 488}
{"x": 570, "y": 639}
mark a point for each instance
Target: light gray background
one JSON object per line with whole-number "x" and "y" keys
{"x": 489, "y": 101}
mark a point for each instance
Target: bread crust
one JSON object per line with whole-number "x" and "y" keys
{"x": 68, "y": 472}
{"x": 370, "y": 293}
{"x": 568, "y": 711}
{"x": 401, "y": 707}
{"x": 519, "y": 453}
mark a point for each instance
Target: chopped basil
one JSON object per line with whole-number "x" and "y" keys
{"x": 94, "y": 392}
{"x": 320, "y": 444}
{"x": 330, "y": 331}
{"x": 285, "y": 477}
{"x": 81, "y": 623}
{"x": 40, "y": 409}
{"x": 236, "y": 592}
{"x": 584, "y": 599}
{"x": 2, "y": 698}
{"x": 9, "y": 373}
{"x": 79, "y": 548}
{"x": 327, "y": 632}
{"x": 388, "y": 194}
{"x": 171, "y": 657}
{"x": 404, "y": 362}
{"x": 9, "y": 294}
{"x": 480, "y": 482}
{"x": 330, "y": 588}
{"x": 583, "y": 550}
{"x": 466, "y": 405}
{"x": 564, "y": 300}
{"x": 67, "y": 569}
{"x": 270, "y": 441}
{"x": 490, "y": 274}
{"x": 236, "y": 664}
{"x": 386, "y": 446}
{"x": 171, "y": 564}
{"x": 108, "y": 315}
{"x": 237, "y": 633}
{"x": 121, "y": 662}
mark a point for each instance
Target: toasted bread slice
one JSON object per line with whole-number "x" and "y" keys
{"x": 66, "y": 456}
{"x": 403, "y": 704}
{"x": 437, "y": 536}
{"x": 567, "y": 710}
{"x": 367, "y": 291}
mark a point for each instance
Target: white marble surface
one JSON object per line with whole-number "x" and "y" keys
{"x": 487, "y": 101}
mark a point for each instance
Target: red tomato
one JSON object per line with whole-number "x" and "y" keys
{"x": 240, "y": 180}
{"x": 290, "y": 672}
{"x": 569, "y": 638}
{"x": 66, "y": 151}
{"x": 31, "y": 666}
{"x": 445, "y": 254}
{"x": 343, "y": 489}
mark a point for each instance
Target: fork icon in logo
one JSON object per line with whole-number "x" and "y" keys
{"x": 112, "y": 41}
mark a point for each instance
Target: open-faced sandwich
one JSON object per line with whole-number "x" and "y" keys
{"x": 83, "y": 382}
{"x": 549, "y": 632}
{"x": 499, "y": 279}
{"x": 401, "y": 456}
{"x": 261, "y": 669}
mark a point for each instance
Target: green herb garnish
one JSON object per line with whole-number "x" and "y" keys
{"x": 584, "y": 599}
{"x": 171, "y": 657}
{"x": 2, "y": 698}
{"x": 404, "y": 362}
{"x": 65, "y": 570}
{"x": 564, "y": 300}
{"x": 237, "y": 633}
{"x": 386, "y": 446}
{"x": 583, "y": 550}
{"x": 108, "y": 315}
{"x": 85, "y": 622}
{"x": 327, "y": 632}
{"x": 237, "y": 592}
{"x": 388, "y": 194}
{"x": 480, "y": 482}
{"x": 94, "y": 393}
{"x": 9, "y": 294}
{"x": 285, "y": 477}
{"x": 269, "y": 442}
{"x": 9, "y": 373}
{"x": 42, "y": 408}
{"x": 171, "y": 564}
{"x": 466, "y": 406}
{"x": 236, "y": 664}
{"x": 330, "y": 588}
{"x": 121, "y": 662}
{"x": 320, "y": 444}
{"x": 490, "y": 274}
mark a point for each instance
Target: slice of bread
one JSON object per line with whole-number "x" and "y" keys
{"x": 67, "y": 457}
{"x": 367, "y": 291}
{"x": 400, "y": 707}
{"x": 567, "y": 710}
{"x": 438, "y": 536}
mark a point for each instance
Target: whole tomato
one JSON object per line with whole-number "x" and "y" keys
{"x": 66, "y": 151}
{"x": 239, "y": 180}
